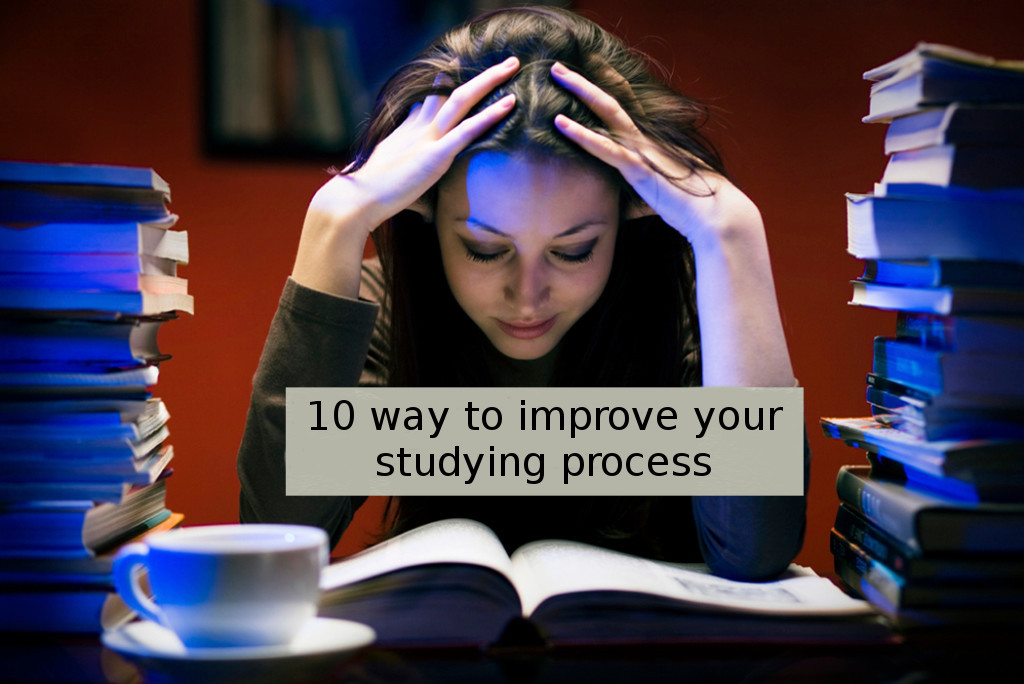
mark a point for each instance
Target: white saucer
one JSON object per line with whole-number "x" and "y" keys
{"x": 157, "y": 648}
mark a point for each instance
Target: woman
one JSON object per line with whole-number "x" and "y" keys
{"x": 566, "y": 223}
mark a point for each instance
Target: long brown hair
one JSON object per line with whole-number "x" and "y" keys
{"x": 643, "y": 329}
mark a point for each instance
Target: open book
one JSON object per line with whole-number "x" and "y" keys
{"x": 451, "y": 583}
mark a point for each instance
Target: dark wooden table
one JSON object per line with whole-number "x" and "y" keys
{"x": 968, "y": 655}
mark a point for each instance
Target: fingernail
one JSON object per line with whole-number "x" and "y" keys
{"x": 508, "y": 100}
{"x": 559, "y": 69}
{"x": 510, "y": 62}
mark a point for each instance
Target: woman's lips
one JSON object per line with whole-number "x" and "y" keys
{"x": 526, "y": 331}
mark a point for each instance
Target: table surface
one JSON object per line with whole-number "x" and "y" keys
{"x": 968, "y": 655}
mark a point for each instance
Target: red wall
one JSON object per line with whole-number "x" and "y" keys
{"x": 118, "y": 82}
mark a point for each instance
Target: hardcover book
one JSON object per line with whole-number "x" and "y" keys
{"x": 851, "y": 529}
{"x": 938, "y": 370}
{"x": 452, "y": 583}
{"x": 982, "y": 166}
{"x": 943, "y": 301}
{"x": 943, "y": 272}
{"x": 957, "y": 124}
{"x": 934, "y": 74}
{"x": 943, "y": 458}
{"x": 928, "y": 523}
{"x": 944, "y": 226}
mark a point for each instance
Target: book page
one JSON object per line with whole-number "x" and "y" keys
{"x": 548, "y": 568}
{"x": 445, "y": 541}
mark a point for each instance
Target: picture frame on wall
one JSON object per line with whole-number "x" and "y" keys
{"x": 295, "y": 79}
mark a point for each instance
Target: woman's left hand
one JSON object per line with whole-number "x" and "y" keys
{"x": 696, "y": 201}
{"x": 742, "y": 341}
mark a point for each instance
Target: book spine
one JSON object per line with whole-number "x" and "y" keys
{"x": 876, "y": 542}
{"x": 889, "y": 385}
{"x": 927, "y": 329}
{"x": 881, "y": 588}
{"x": 887, "y": 512}
{"x": 908, "y": 363}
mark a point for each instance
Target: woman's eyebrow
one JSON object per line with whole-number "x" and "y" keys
{"x": 565, "y": 233}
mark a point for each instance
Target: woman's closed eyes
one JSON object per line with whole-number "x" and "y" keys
{"x": 575, "y": 254}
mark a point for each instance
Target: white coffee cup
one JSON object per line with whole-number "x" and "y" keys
{"x": 226, "y": 585}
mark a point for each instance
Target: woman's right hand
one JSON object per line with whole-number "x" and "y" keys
{"x": 399, "y": 170}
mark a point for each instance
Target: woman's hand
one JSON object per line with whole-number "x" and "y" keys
{"x": 742, "y": 341}
{"x": 399, "y": 170}
{"x": 699, "y": 203}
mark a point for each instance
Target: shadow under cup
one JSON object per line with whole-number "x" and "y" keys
{"x": 226, "y": 585}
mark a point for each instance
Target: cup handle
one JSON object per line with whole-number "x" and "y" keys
{"x": 127, "y": 562}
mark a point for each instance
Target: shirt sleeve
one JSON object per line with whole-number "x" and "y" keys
{"x": 752, "y": 538}
{"x": 315, "y": 340}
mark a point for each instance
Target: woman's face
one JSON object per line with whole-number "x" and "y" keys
{"x": 527, "y": 246}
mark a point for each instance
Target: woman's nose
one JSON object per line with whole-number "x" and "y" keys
{"x": 528, "y": 287}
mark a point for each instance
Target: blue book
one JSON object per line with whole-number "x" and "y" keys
{"x": 945, "y": 226}
{"x": 944, "y": 272}
{"x": 35, "y": 343}
{"x": 81, "y": 609}
{"x": 82, "y": 174}
{"x": 37, "y": 192}
{"x": 940, "y": 458}
{"x": 70, "y": 237}
{"x": 949, "y": 372}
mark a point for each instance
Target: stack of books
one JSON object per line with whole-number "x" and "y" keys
{"x": 88, "y": 275}
{"x": 931, "y": 528}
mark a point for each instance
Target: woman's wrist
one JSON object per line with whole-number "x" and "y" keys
{"x": 330, "y": 251}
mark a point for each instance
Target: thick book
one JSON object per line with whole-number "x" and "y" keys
{"x": 127, "y": 383}
{"x": 954, "y": 402}
{"x": 80, "y": 568}
{"x": 73, "y": 529}
{"x": 84, "y": 436}
{"x": 87, "y": 262}
{"x": 77, "y": 468}
{"x": 958, "y": 123}
{"x": 928, "y": 523}
{"x": 853, "y": 529}
{"x": 984, "y": 167}
{"x": 942, "y": 371}
{"x": 72, "y": 609}
{"x": 83, "y": 174}
{"x": 38, "y": 343}
{"x": 929, "y": 421}
{"x": 95, "y": 204}
{"x": 943, "y": 272}
{"x": 942, "y": 226}
{"x": 969, "y": 334}
{"x": 98, "y": 487}
{"x": 451, "y": 583}
{"x": 857, "y": 568}
{"x": 138, "y": 303}
{"x": 102, "y": 281}
{"x": 153, "y": 238}
{"x": 934, "y": 74}
{"x": 40, "y": 192}
{"x": 944, "y": 301}
{"x": 981, "y": 483}
{"x": 941, "y": 458}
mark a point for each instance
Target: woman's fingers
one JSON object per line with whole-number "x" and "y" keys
{"x": 432, "y": 103}
{"x": 467, "y": 95}
{"x": 628, "y": 162}
{"x": 601, "y": 103}
{"x": 468, "y": 130}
